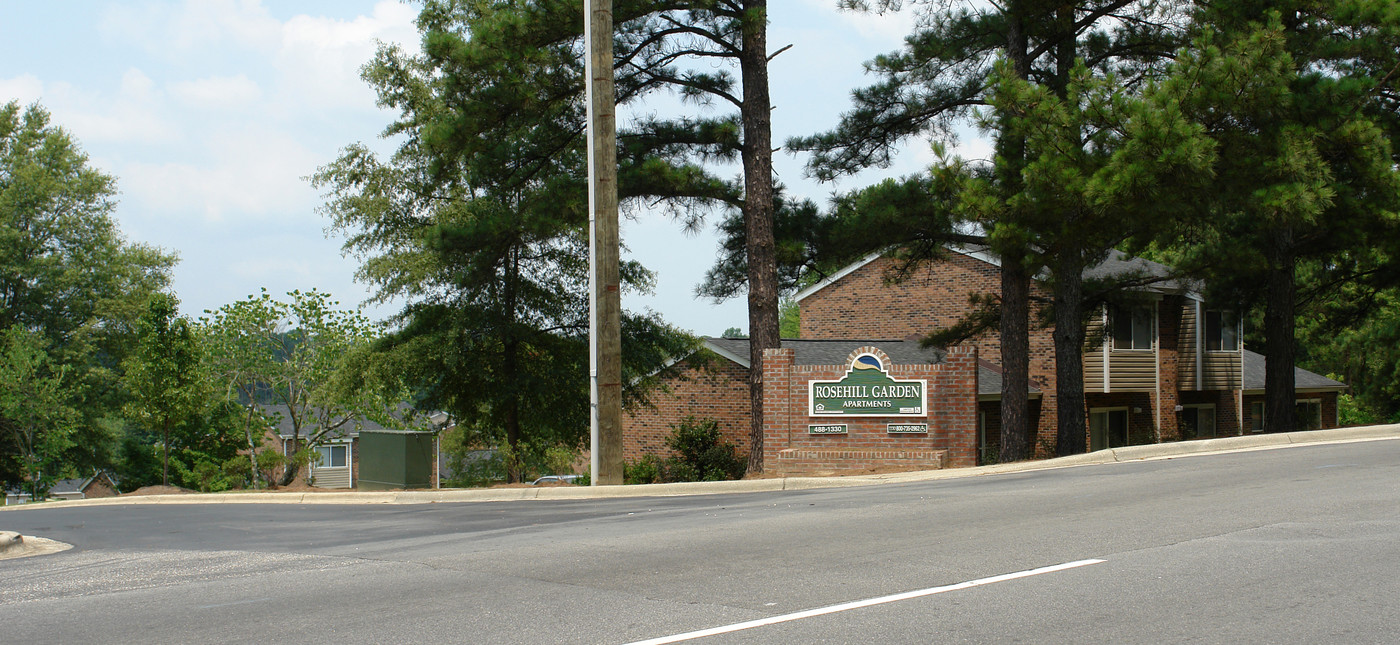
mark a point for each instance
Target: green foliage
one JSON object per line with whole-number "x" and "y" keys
{"x": 1306, "y": 183}
{"x": 789, "y": 319}
{"x": 1350, "y": 412}
{"x": 35, "y": 416}
{"x": 302, "y": 359}
{"x": 169, "y": 391}
{"x": 646, "y": 470}
{"x": 67, "y": 275}
{"x": 479, "y": 222}
{"x": 701, "y": 454}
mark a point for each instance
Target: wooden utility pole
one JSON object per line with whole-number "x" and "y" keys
{"x": 605, "y": 310}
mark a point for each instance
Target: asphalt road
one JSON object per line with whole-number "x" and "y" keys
{"x": 1297, "y": 545}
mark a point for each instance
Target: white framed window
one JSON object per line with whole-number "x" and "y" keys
{"x": 1222, "y": 331}
{"x": 1198, "y": 421}
{"x": 333, "y": 456}
{"x": 1132, "y": 328}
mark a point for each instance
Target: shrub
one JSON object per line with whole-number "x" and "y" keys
{"x": 646, "y": 470}
{"x": 701, "y": 453}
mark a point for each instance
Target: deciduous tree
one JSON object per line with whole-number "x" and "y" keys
{"x": 168, "y": 387}
{"x": 35, "y": 416}
{"x": 67, "y": 274}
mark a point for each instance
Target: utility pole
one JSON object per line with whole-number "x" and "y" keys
{"x": 605, "y": 307}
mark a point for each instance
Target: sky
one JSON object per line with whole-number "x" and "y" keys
{"x": 211, "y": 114}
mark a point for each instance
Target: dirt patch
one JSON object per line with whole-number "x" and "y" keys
{"x": 297, "y": 486}
{"x": 159, "y": 490}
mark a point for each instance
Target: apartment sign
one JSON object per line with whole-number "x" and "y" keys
{"x": 867, "y": 390}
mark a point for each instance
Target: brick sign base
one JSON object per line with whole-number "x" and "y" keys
{"x": 867, "y": 445}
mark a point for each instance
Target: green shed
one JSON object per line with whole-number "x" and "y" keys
{"x": 391, "y": 459}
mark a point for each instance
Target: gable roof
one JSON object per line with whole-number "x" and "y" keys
{"x": 835, "y": 352}
{"x": 1117, "y": 263}
{"x": 1253, "y": 372}
{"x": 350, "y": 429}
{"x": 829, "y": 352}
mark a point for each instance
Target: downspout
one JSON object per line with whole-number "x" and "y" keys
{"x": 1107, "y": 387}
{"x": 1200, "y": 348}
{"x": 1157, "y": 369}
{"x": 1239, "y": 399}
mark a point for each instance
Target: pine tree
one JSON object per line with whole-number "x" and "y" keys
{"x": 942, "y": 74}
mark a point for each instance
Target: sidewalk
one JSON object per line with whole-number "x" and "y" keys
{"x": 1131, "y": 453}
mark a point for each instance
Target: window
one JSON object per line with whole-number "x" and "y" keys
{"x": 1256, "y": 416}
{"x": 1108, "y": 428}
{"x": 1222, "y": 331}
{"x": 1309, "y": 414}
{"x": 1132, "y": 328}
{"x": 1198, "y": 421}
{"x": 332, "y": 456}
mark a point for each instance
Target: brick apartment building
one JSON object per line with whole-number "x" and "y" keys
{"x": 1167, "y": 369}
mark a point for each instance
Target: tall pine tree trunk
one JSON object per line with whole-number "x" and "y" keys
{"x": 1015, "y": 361}
{"x": 1071, "y": 434}
{"x": 1279, "y": 393}
{"x": 1016, "y": 429}
{"x": 758, "y": 213}
{"x": 510, "y": 369}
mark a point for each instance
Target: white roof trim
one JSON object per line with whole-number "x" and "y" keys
{"x": 1307, "y": 390}
{"x": 671, "y": 362}
{"x": 848, "y": 270}
{"x": 982, "y": 255}
{"x": 858, "y": 264}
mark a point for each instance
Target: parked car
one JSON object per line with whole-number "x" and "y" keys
{"x": 555, "y": 479}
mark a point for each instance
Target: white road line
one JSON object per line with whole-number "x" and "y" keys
{"x": 773, "y": 620}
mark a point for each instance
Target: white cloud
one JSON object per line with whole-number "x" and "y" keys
{"x": 25, "y": 88}
{"x": 314, "y": 60}
{"x": 252, "y": 172}
{"x": 133, "y": 114}
{"x": 196, "y": 25}
{"x": 217, "y": 92}
{"x": 320, "y": 58}
{"x": 890, "y": 26}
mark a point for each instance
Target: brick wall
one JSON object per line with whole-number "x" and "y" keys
{"x": 706, "y": 387}
{"x": 1169, "y": 335}
{"x": 862, "y": 305}
{"x": 951, "y": 440}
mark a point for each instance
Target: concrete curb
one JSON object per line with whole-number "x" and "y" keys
{"x": 9, "y": 540}
{"x": 1115, "y": 455}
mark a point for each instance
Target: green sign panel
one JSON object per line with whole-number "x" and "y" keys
{"x": 867, "y": 391}
{"x": 907, "y": 428}
{"x": 827, "y": 429}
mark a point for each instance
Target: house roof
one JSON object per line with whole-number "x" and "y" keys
{"x": 347, "y": 431}
{"x": 76, "y": 485}
{"x": 1117, "y": 263}
{"x": 832, "y": 352}
{"x": 989, "y": 379}
{"x": 835, "y": 352}
{"x": 1302, "y": 379}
